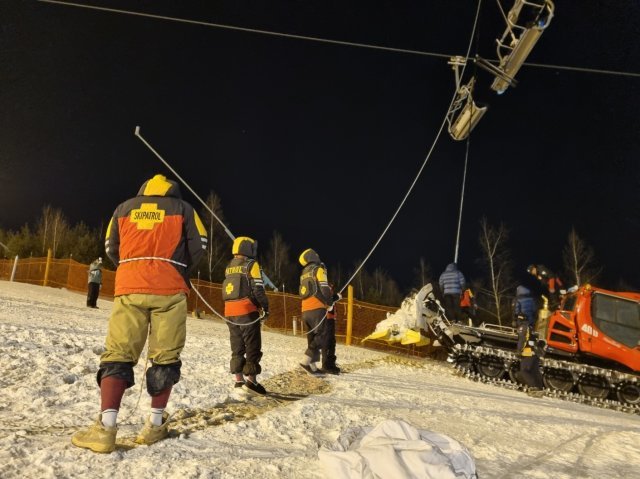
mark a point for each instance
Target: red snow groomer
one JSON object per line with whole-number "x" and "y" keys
{"x": 589, "y": 346}
{"x": 597, "y": 334}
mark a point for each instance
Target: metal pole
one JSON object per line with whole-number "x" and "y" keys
{"x": 196, "y": 306}
{"x": 15, "y": 267}
{"x": 347, "y": 339}
{"x": 284, "y": 302}
{"x": 137, "y": 133}
{"x": 47, "y": 267}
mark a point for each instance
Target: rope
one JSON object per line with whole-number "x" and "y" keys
{"x": 325, "y": 40}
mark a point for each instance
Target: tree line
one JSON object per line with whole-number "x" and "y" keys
{"x": 494, "y": 289}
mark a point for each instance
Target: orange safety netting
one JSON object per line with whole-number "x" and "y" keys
{"x": 284, "y": 307}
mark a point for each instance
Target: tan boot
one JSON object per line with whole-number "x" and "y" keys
{"x": 97, "y": 437}
{"x": 151, "y": 434}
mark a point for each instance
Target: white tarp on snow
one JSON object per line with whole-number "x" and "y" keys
{"x": 395, "y": 449}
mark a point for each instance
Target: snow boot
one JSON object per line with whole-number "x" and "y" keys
{"x": 151, "y": 434}
{"x": 254, "y": 388}
{"x": 239, "y": 384}
{"x": 97, "y": 437}
{"x": 310, "y": 371}
{"x": 330, "y": 369}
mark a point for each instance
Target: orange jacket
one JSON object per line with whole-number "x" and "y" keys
{"x": 155, "y": 239}
{"x": 465, "y": 301}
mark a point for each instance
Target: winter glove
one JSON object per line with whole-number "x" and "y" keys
{"x": 264, "y": 316}
{"x": 336, "y": 297}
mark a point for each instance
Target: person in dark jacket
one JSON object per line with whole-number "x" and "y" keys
{"x": 452, "y": 284}
{"x": 554, "y": 285}
{"x": 245, "y": 307}
{"x": 154, "y": 239}
{"x": 94, "y": 282}
{"x": 535, "y": 284}
{"x": 525, "y": 313}
{"x": 316, "y": 298}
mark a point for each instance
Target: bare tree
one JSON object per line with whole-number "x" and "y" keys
{"x": 277, "y": 262}
{"x": 52, "y": 227}
{"x": 359, "y": 280}
{"x": 43, "y": 225}
{"x": 218, "y": 241}
{"x": 579, "y": 260}
{"x": 60, "y": 228}
{"x": 497, "y": 263}
{"x": 423, "y": 273}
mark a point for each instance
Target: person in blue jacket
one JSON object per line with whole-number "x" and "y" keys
{"x": 525, "y": 312}
{"x": 452, "y": 284}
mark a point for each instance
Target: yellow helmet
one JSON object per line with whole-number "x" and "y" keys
{"x": 308, "y": 256}
{"x": 159, "y": 185}
{"x": 245, "y": 246}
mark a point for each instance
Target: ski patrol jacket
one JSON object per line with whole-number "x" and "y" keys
{"x": 155, "y": 239}
{"x": 452, "y": 280}
{"x": 243, "y": 288}
{"x": 314, "y": 287}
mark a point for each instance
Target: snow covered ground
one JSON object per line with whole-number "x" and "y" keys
{"x": 49, "y": 344}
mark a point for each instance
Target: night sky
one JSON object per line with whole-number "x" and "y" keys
{"x": 320, "y": 142}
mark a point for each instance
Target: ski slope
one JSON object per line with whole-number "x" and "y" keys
{"x": 50, "y": 344}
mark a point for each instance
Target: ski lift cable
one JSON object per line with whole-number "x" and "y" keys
{"x": 327, "y": 40}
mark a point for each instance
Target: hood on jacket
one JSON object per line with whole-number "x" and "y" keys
{"x": 309, "y": 256}
{"x": 523, "y": 291}
{"x": 159, "y": 185}
{"x": 245, "y": 246}
{"x": 451, "y": 267}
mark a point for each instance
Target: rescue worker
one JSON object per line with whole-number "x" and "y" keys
{"x": 245, "y": 307}
{"x": 452, "y": 284}
{"x": 94, "y": 282}
{"x": 525, "y": 314}
{"x": 468, "y": 306}
{"x": 154, "y": 239}
{"x": 316, "y": 298}
{"x": 534, "y": 283}
{"x": 329, "y": 350}
{"x": 553, "y": 284}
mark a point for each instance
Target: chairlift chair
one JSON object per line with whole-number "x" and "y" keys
{"x": 526, "y": 21}
{"x": 464, "y": 114}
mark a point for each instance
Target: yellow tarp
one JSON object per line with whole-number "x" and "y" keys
{"x": 409, "y": 337}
